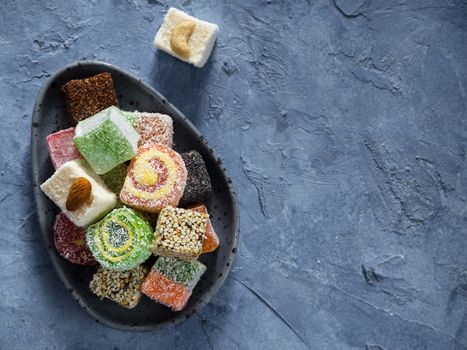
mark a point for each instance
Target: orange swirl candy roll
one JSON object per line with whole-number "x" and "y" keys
{"x": 156, "y": 178}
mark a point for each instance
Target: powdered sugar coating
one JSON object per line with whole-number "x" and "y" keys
{"x": 61, "y": 147}
{"x": 70, "y": 241}
{"x": 156, "y": 178}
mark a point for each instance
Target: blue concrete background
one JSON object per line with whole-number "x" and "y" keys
{"x": 343, "y": 126}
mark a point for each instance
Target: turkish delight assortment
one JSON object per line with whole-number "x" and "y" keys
{"x": 125, "y": 194}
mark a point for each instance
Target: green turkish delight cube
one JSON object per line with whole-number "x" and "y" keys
{"x": 106, "y": 140}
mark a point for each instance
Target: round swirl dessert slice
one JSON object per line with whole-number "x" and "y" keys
{"x": 122, "y": 240}
{"x": 156, "y": 178}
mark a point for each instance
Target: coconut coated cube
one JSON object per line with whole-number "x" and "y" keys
{"x": 57, "y": 188}
{"x": 154, "y": 128}
{"x": 198, "y": 45}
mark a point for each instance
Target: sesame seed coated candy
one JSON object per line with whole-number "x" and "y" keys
{"x": 122, "y": 287}
{"x": 180, "y": 233}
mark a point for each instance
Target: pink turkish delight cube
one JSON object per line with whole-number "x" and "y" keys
{"x": 61, "y": 147}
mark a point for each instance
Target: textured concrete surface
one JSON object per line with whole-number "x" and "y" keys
{"x": 343, "y": 126}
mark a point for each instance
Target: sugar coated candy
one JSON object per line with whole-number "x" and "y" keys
{"x": 115, "y": 178}
{"x": 61, "y": 147}
{"x": 180, "y": 233}
{"x": 154, "y": 128}
{"x": 211, "y": 240}
{"x": 106, "y": 140}
{"x": 156, "y": 178}
{"x": 130, "y": 117}
{"x": 70, "y": 241}
{"x": 171, "y": 281}
{"x": 186, "y": 37}
{"x": 86, "y": 97}
{"x": 198, "y": 185}
{"x": 62, "y": 189}
{"x": 122, "y": 287}
{"x": 122, "y": 240}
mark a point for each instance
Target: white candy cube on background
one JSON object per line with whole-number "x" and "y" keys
{"x": 200, "y": 43}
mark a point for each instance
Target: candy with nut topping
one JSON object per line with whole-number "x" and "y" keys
{"x": 61, "y": 147}
{"x": 79, "y": 192}
{"x": 180, "y": 233}
{"x": 122, "y": 240}
{"x": 106, "y": 140}
{"x": 86, "y": 97}
{"x": 171, "y": 281}
{"x": 122, "y": 287}
{"x": 186, "y": 37}
{"x": 156, "y": 178}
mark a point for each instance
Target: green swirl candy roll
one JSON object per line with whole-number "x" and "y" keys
{"x": 122, "y": 240}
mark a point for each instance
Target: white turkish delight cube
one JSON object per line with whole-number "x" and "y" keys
{"x": 186, "y": 37}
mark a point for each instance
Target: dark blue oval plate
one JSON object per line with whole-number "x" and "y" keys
{"x": 49, "y": 116}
